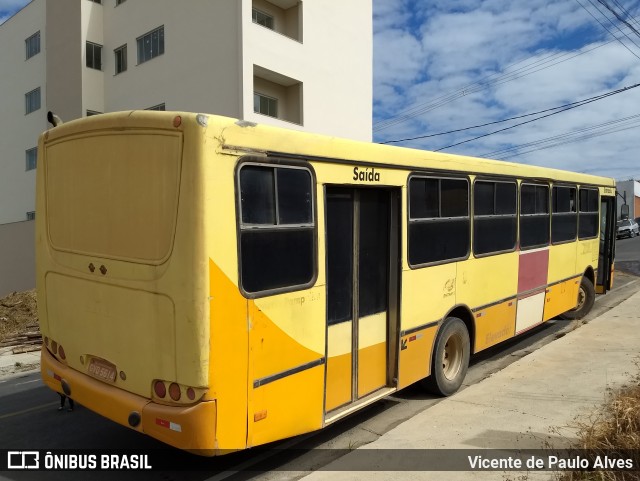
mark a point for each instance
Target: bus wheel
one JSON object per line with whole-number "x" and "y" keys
{"x": 586, "y": 298}
{"x": 450, "y": 358}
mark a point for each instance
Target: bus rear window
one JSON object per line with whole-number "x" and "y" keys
{"x": 114, "y": 195}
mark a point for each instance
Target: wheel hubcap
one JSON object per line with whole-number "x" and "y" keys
{"x": 452, "y": 357}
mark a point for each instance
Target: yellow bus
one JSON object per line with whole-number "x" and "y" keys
{"x": 219, "y": 285}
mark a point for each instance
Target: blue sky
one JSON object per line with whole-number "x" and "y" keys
{"x": 9, "y": 7}
{"x": 442, "y": 65}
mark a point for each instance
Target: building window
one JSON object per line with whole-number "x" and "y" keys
{"x": 33, "y": 45}
{"x": 151, "y": 45}
{"x": 160, "y": 107}
{"x": 588, "y": 222}
{"x": 121, "y": 59}
{"x": 31, "y": 156}
{"x": 32, "y": 100}
{"x": 277, "y": 228}
{"x": 118, "y": 2}
{"x": 94, "y": 56}
{"x": 281, "y": 16}
{"x": 495, "y": 222}
{"x": 91, "y": 113}
{"x": 31, "y": 215}
{"x": 534, "y": 216}
{"x": 278, "y": 96}
{"x": 265, "y": 105}
{"x": 262, "y": 18}
{"x": 96, "y": 1}
{"x": 439, "y": 224}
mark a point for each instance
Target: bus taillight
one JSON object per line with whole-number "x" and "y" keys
{"x": 178, "y": 394}
{"x": 174, "y": 391}
{"x": 160, "y": 389}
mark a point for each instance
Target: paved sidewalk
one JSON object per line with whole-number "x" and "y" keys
{"x": 15, "y": 364}
{"x": 528, "y": 405}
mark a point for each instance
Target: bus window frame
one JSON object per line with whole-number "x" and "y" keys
{"x": 274, "y": 163}
{"x": 504, "y": 180}
{"x": 445, "y": 176}
{"x": 521, "y": 215}
{"x": 597, "y": 189}
{"x": 576, "y": 212}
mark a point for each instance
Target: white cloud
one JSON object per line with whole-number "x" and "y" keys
{"x": 423, "y": 54}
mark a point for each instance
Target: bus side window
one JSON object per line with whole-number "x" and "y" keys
{"x": 534, "y": 216}
{"x": 439, "y": 225}
{"x": 588, "y": 222}
{"x": 277, "y": 246}
{"x": 495, "y": 225}
{"x": 564, "y": 216}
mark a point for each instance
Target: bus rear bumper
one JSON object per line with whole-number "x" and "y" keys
{"x": 191, "y": 428}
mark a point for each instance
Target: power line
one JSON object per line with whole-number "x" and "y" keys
{"x": 597, "y": 97}
{"x": 626, "y": 12}
{"x": 585, "y": 133}
{"x": 514, "y": 149}
{"x": 484, "y": 83}
{"x": 498, "y": 79}
{"x": 594, "y": 99}
{"x": 619, "y": 17}
{"x": 606, "y": 28}
{"x": 613, "y": 23}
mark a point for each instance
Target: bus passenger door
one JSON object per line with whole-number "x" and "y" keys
{"x": 362, "y": 238}
{"x": 606, "y": 255}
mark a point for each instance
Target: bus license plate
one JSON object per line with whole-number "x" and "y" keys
{"x": 103, "y": 370}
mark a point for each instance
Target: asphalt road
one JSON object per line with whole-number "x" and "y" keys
{"x": 628, "y": 255}
{"x": 29, "y": 418}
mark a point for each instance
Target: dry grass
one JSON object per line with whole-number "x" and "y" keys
{"x": 614, "y": 431}
{"x": 17, "y": 311}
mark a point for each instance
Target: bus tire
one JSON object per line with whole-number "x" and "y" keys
{"x": 450, "y": 358}
{"x": 586, "y": 298}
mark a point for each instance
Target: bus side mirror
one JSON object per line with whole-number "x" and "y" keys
{"x": 624, "y": 211}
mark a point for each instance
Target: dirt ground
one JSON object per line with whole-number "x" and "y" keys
{"x": 17, "y": 312}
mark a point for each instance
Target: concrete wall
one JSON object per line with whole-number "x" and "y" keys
{"x": 333, "y": 61}
{"x": 17, "y": 259}
{"x": 91, "y": 30}
{"x": 211, "y": 49}
{"x": 64, "y": 59}
{"x": 630, "y": 189}
{"x": 200, "y": 69}
{"x": 19, "y": 75}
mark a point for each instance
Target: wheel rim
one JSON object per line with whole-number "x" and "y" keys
{"x": 582, "y": 297}
{"x": 452, "y": 357}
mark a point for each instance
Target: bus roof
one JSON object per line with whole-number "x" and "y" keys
{"x": 236, "y": 136}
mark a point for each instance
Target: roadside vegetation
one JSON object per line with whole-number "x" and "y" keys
{"x": 613, "y": 430}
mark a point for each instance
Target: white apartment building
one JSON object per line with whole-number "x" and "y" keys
{"x": 303, "y": 65}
